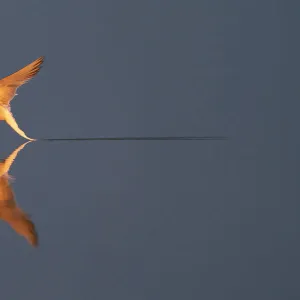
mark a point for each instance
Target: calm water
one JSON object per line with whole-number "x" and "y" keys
{"x": 143, "y": 219}
{"x": 151, "y": 219}
{"x": 125, "y": 217}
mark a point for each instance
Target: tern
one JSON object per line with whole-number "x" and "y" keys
{"x": 10, "y": 212}
{"x": 8, "y": 88}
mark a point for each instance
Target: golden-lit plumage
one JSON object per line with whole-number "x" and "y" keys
{"x": 10, "y": 212}
{"x": 8, "y": 88}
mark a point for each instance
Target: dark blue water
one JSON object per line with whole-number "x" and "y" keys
{"x": 154, "y": 219}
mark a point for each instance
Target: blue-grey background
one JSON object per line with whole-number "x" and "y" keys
{"x": 155, "y": 220}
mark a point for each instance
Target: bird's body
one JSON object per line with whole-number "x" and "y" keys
{"x": 8, "y": 88}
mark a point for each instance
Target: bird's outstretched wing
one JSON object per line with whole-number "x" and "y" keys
{"x": 10, "y": 84}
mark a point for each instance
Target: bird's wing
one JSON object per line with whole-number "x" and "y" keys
{"x": 9, "y": 84}
{"x": 10, "y": 120}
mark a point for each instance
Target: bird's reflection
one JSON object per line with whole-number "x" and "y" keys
{"x": 10, "y": 212}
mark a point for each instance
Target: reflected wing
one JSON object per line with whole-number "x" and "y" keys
{"x": 15, "y": 216}
{"x": 9, "y": 84}
{"x": 9, "y": 211}
{"x": 22, "y": 224}
{"x": 6, "y": 164}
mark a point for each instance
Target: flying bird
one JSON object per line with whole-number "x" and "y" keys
{"x": 8, "y": 88}
{"x": 10, "y": 212}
